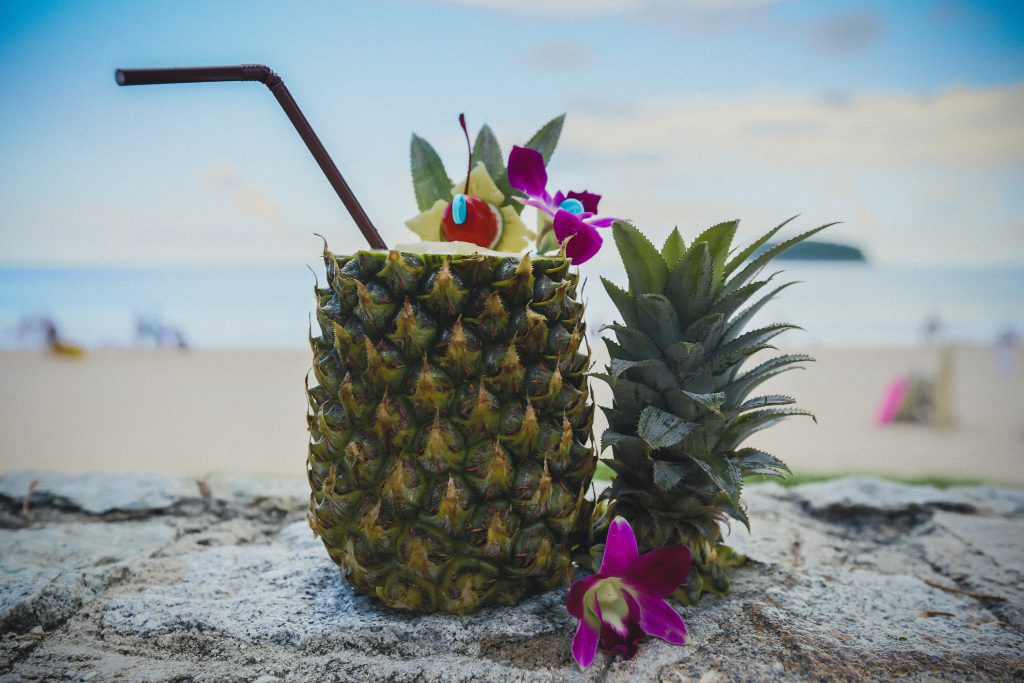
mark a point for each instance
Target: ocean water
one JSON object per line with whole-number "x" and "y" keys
{"x": 837, "y": 304}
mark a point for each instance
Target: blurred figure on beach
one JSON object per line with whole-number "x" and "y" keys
{"x": 51, "y": 336}
{"x": 1006, "y": 347}
{"x": 923, "y": 398}
{"x": 152, "y": 331}
{"x": 932, "y": 329}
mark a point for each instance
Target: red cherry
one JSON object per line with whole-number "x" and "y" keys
{"x": 483, "y": 224}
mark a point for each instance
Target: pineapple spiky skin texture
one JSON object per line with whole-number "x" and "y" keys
{"x": 448, "y": 455}
{"x": 682, "y": 390}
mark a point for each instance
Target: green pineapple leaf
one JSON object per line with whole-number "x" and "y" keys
{"x": 729, "y": 304}
{"x": 773, "y": 413}
{"x": 712, "y": 402}
{"x": 631, "y": 398}
{"x": 634, "y": 454}
{"x": 725, "y": 475}
{"x": 653, "y": 373}
{"x": 487, "y": 150}
{"x": 755, "y": 338}
{"x": 615, "y": 350}
{"x": 638, "y": 344}
{"x": 623, "y": 301}
{"x": 609, "y": 438}
{"x": 619, "y": 366}
{"x": 755, "y": 461}
{"x": 657, "y": 315}
{"x": 689, "y": 284}
{"x": 546, "y": 139}
{"x": 674, "y": 248}
{"x": 738, "y": 260}
{"x": 760, "y": 261}
{"x": 750, "y": 423}
{"x": 645, "y": 268}
{"x": 429, "y": 179}
{"x": 740, "y": 321}
{"x": 738, "y": 389}
{"x": 736, "y": 510}
{"x": 668, "y": 474}
{"x": 661, "y": 429}
{"x": 706, "y": 329}
{"x": 719, "y": 239}
{"x": 617, "y": 421}
{"x": 685, "y": 355}
{"x": 721, "y": 363}
{"x": 768, "y": 401}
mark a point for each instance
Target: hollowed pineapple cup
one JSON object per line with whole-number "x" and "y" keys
{"x": 449, "y": 447}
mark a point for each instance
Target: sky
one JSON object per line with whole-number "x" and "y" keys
{"x": 904, "y": 120}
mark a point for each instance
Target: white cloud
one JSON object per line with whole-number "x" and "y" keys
{"x": 955, "y": 127}
{"x": 848, "y": 32}
{"x": 567, "y": 55}
{"x": 926, "y": 179}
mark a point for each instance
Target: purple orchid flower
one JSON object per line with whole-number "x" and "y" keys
{"x": 625, "y": 600}
{"x": 573, "y": 214}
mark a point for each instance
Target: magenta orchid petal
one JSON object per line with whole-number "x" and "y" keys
{"x": 539, "y": 205}
{"x": 526, "y": 171}
{"x": 659, "y": 572}
{"x": 584, "y": 644}
{"x": 574, "y": 600}
{"x": 584, "y": 242}
{"x": 603, "y": 222}
{"x": 588, "y": 199}
{"x": 658, "y": 619}
{"x": 620, "y": 550}
{"x": 558, "y": 198}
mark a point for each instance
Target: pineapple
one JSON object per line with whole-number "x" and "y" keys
{"x": 449, "y": 452}
{"x": 682, "y": 405}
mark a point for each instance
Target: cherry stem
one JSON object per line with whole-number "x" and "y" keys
{"x": 469, "y": 150}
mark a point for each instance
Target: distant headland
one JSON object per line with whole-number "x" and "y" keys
{"x": 819, "y": 251}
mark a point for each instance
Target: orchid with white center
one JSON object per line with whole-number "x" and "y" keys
{"x": 625, "y": 601}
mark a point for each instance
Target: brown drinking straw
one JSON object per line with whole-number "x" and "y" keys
{"x": 266, "y": 76}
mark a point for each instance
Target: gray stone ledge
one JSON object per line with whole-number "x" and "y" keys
{"x": 848, "y": 580}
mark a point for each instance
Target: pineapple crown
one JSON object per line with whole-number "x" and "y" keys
{"x": 485, "y": 208}
{"x": 681, "y": 399}
{"x": 431, "y": 183}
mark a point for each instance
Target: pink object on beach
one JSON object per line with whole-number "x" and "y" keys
{"x": 893, "y": 399}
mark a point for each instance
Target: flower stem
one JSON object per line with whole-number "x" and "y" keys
{"x": 469, "y": 151}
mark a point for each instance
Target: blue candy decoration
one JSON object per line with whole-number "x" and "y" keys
{"x": 459, "y": 209}
{"x": 573, "y": 206}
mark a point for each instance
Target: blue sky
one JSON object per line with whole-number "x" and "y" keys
{"x": 904, "y": 120}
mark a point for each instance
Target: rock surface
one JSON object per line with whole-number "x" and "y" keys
{"x": 144, "y": 578}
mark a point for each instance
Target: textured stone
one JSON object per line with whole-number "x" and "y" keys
{"x": 873, "y": 494}
{"x": 290, "y": 593}
{"x": 98, "y": 494}
{"x": 46, "y": 574}
{"x": 255, "y": 490}
{"x": 846, "y": 580}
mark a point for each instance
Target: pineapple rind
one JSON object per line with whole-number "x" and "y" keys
{"x": 449, "y": 430}
{"x": 681, "y": 397}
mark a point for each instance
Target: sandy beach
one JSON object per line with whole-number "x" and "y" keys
{"x": 198, "y": 413}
